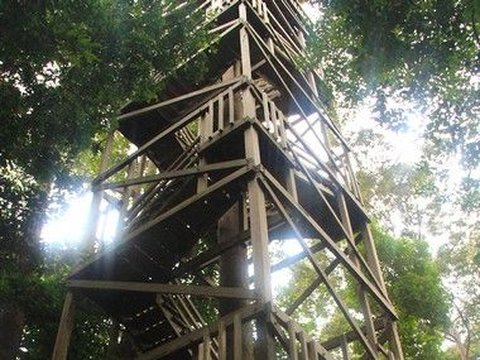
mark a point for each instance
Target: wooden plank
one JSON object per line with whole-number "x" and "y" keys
{"x": 302, "y": 297}
{"x": 274, "y": 116}
{"x": 266, "y": 111}
{"x": 350, "y": 336}
{"x": 221, "y": 113}
{"x": 292, "y": 341}
{"x": 237, "y": 338}
{"x": 260, "y": 241}
{"x": 169, "y": 316}
{"x": 312, "y": 350}
{"x": 394, "y": 340}
{"x": 185, "y": 289}
{"x": 345, "y": 351}
{"x": 277, "y": 330}
{"x": 303, "y": 346}
{"x": 150, "y": 192}
{"x": 231, "y": 107}
{"x": 65, "y": 328}
{"x": 305, "y": 294}
{"x": 372, "y": 256}
{"x": 364, "y": 304}
{"x": 244, "y": 45}
{"x": 222, "y": 341}
{"x": 206, "y": 344}
{"x": 218, "y": 137}
{"x": 167, "y": 175}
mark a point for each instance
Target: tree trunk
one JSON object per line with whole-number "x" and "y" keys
{"x": 12, "y": 321}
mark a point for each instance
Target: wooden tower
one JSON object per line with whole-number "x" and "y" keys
{"x": 222, "y": 171}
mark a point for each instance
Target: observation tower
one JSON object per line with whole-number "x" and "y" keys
{"x": 224, "y": 171}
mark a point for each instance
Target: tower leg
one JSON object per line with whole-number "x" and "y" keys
{"x": 233, "y": 273}
{"x": 372, "y": 259}
{"x": 65, "y": 328}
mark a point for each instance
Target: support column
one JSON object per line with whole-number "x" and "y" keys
{"x": 205, "y": 130}
{"x": 65, "y": 328}
{"x": 257, "y": 209}
{"x": 373, "y": 262}
{"x": 233, "y": 273}
{"x": 362, "y": 296}
{"x": 94, "y": 212}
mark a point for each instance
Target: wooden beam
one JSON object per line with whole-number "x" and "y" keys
{"x": 261, "y": 44}
{"x": 184, "y": 289}
{"x": 179, "y": 98}
{"x": 213, "y": 188}
{"x": 287, "y": 323}
{"x": 198, "y": 170}
{"x": 356, "y": 257}
{"x": 65, "y": 328}
{"x": 208, "y": 257}
{"x": 292, "y": 341}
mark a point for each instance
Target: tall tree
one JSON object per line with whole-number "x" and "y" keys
{"x": 406, "y": 54}
{"x": 460, "y": 263}
{"x": 66, "y": 68}
{"x": 415, "y": 287}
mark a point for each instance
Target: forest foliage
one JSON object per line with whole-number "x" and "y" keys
{"x": 66, "y": 68}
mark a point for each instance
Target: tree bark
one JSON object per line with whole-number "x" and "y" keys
{"x": 12, "y": 321}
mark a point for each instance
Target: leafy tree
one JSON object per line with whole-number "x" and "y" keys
{"x": 460, "y": 265}
{"x": 66, "y": 68}
{"x": 414, "y": 284}
{"x": 403, "y": 55}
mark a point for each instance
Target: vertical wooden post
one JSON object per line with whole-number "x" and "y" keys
{"x": 292, "y": 341}
{"x": 303, "y": 346}
{"x": 222, "y": 341}
{"x": 312, "y": 350}
{"x": 237, "y": 338}
{"x": 94, "y": 212}
{"x": 67, "y": 322}
{"x": 345, "y": 354}
{"x": 374, "y": 264}
{"x": 362, "y": 296}
{"x": 258, "y": 213}
{"x": 206, "y": 345}
{"x": 205, "y": 130}
{"x": 394, "y": 340}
